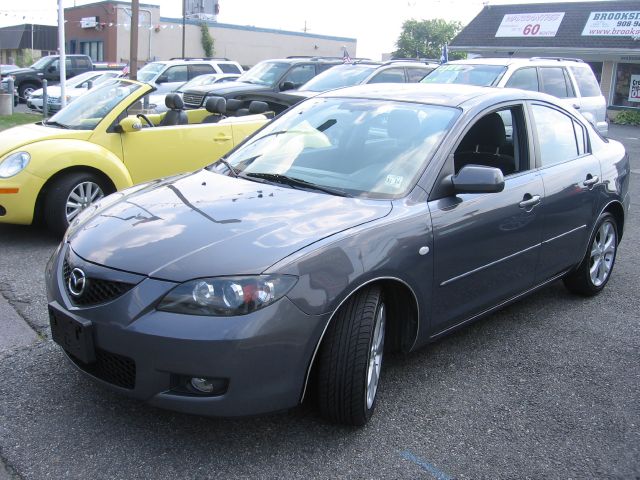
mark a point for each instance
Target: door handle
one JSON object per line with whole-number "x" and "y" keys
{"x": 529, "y": 201}
{"x": 590, "y": 181}
{"x": 576, "y": 106}
{"x": 221, "y": 138}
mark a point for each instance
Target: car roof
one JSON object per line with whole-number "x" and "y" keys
{"x": 435, "y": 94}
{"x": 516, "y": 61}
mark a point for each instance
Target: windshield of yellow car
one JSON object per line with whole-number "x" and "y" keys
{"x": 86, "y": 112}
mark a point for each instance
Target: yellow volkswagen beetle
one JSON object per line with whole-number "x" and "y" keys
{"x": 102, "y": 142}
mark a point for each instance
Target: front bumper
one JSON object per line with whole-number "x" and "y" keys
{"x": 263, "y": 356}
{"x": 18, "y": 196}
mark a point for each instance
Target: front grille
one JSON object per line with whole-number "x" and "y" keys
{"x": 110, "y": 367}
{"x": 192, "y": 99}
{"x": 96, "y": 290}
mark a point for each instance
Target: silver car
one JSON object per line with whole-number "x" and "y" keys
{"x": 570, "y": 80}
{"x": 364, "y": 220}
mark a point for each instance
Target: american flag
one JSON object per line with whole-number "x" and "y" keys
{"x": 345, "y": 57}
{"x": 125, "y": 71}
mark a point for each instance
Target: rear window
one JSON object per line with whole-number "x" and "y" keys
{"x": 587, "y": 83}
{"x": 229, "y": 68}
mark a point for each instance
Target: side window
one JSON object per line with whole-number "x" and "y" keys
{"x": 391, "y": 75}
{"x": 300, "y": 74}
{"x": 581, "y": 138}
{"x": 556, "y": 135}
{"x": 498, "y": 140}
{"x": 416, "y": 74}
{"x": 83, "y": 63}
{"x": 587, "y": 83}
{"x": 195, "y": 70}
{"x": 525, "y": 79}
{"x": 228, "y": 68}
{"x": 554, "y": 82}
{"x": 176, "y": 74}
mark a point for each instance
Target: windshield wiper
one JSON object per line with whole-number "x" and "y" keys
{"x": 55, "y": 124}
{"x": 295, "y": 182}
{"x": 228, "y": 165}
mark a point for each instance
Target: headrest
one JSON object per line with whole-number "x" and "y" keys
{"x": 173, "y": 101}
{"x": 233, "y": 104}
{"x": 489, "y": 130}
{"x": 242, "y": 111}
{"x": 216, "y": 105}
{"x": 403, "y": 124}
{"x": 258, "y": 107}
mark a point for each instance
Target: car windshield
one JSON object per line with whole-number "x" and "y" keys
{"x": 354, "y": 147}
{"x": 481, "y": 75}
{"x": 264, "y": 73}
{"x": 41, "y": 63}
{"x": 337, "y": 77}
{"x": 146, "y": 73}
{"x": 80, "y": 79}
{"x": 89, "y": 109}
{"x": 197, "y": 81}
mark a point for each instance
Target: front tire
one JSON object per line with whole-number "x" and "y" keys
{"x": 68, "y": 195}
{"x": 350, "y": 359}
{"x": 25, "y": 90}
{"x": 594, "y": 271}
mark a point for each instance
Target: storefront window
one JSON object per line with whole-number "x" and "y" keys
{"x": 622, "y": 85}
{"x": 597, "y": 70}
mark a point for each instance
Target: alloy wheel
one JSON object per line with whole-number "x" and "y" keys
{"x": 603, "y": 253}
{"x": 80, "y": 197}
{"x": 375, "y": 356}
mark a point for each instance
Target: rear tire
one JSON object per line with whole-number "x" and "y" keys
{"x": 68, "y": 195}
{"x": 350, "y": 359}
{"x": 594, "y": 271}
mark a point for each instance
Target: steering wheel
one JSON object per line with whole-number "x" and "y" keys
{"x": 146, "y": 119}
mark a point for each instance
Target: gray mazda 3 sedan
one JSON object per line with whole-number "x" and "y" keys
{"x": 362, "y": 221}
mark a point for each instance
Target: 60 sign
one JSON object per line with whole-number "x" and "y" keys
{"x": 531, "y": 29}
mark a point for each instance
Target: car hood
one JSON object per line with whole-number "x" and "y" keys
{"x": 226, "y": 87}
{"x": 19, "y": 71}
{"x": 206, "y": 224}
{"x": 17, "y": 137}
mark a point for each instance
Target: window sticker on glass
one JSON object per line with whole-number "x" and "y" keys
{"x": 395, "y": 180}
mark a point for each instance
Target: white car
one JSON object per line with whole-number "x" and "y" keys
{"x": 74, "y": 87}
{"x": 157, "y": 99}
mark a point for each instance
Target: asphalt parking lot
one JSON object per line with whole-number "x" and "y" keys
{"x": 546, "y": 388}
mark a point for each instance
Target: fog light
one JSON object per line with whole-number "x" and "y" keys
{"x": 203, "y": 385}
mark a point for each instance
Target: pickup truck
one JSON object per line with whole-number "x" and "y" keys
{"x": 26, "y": 80}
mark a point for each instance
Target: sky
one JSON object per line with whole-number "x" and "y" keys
{"x": 376, "y": 24}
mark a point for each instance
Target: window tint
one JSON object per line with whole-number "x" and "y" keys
{"x": 83, "y": 63}
{"x": 581, "y": 138}
{"x": 416, "y": 74}
{"x": 524, "y": 78}
{"x": 195, "y": 70}
{"x": 556, "y": 135}
{"x": 587, "y": 83}
{"x": 554, "y": 82}
{"x": 494, "y": 141}
{"x": 228, "y": 68}
{"x": 300, "y": 74}
{"x": 176, "y": 74}
{"x": 391, "y": 75}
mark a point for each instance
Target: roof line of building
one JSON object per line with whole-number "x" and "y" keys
{"x": 190, "y": 21}
{"x": 615, "y": 50}
{"x": 117, "y": 2}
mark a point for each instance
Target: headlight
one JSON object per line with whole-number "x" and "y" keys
{"x": 227, "y": 296}
{"x": 14, "y": 164}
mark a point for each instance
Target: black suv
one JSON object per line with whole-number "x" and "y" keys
{"x": 273, "y": 76}
{"x": 26, "y": 80}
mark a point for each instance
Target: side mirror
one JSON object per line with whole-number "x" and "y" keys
{"x": 287, "y": 86}
{"x": 478, "y": 179}
{"x": 129, "y": 125}
{"x": 51, "y": 69}
{"x": 162, "y": 79}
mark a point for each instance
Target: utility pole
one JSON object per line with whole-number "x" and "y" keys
{"x": 184, "y": 14}
{"x": 62, "y": 62}
{"x": 133, "y": 47}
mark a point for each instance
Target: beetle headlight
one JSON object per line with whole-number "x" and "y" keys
{"x": 14, "y": 164}
{"x": 227, "y": 296}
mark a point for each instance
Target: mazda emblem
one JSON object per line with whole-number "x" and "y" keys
{"x": 77, "y": 282}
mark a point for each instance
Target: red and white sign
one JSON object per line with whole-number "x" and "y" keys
{"x": 530, "y": 25}
{"x": 613, "y": 24}
{"x": 634, "y": 88}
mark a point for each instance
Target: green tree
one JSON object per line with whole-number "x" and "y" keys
{"x": 207, "y": 40}
{"x": 425, "y": 38}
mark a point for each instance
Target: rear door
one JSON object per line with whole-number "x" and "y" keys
{"x": 572, "y": 183}
{"x": 590, "y": 101}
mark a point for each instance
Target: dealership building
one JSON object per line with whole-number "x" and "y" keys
{"x": 605, "y": 34}
{"x": 102, "y": 30}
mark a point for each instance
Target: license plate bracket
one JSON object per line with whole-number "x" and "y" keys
{"x": 73, "y": 334}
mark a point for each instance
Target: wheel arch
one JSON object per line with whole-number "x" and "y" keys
{"x": 402, "y": 319}
{"x": 616, "y": 209}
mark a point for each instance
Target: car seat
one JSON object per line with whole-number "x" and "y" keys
{"x": 255, "y": 107}
{"x": 176, "y": 114}
{"x": 217, "y": 106}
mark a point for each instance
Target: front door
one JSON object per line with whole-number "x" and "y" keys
{"x": 486, "y": 246}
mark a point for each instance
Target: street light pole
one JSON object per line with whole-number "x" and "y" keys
{"x": 184, "y": 13}
{"x": 133, "y": 47}
{"x": 62, "y": 62}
